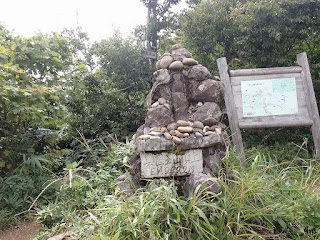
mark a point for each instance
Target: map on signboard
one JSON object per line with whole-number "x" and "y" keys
{"x": 269, "y": 97}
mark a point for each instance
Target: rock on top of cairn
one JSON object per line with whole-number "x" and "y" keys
{"x": 176, "y": 46}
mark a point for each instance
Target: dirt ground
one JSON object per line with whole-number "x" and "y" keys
{"x": 23, "y": 231}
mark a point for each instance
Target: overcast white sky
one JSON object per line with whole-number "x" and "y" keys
{"x": 97, "y": 17}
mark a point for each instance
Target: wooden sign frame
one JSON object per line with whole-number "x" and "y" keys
{"x": 306, "y": 113}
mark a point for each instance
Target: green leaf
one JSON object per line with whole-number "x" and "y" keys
{"x": 2, "y": 164}
{"x": 282, "y": 223}
{"x": 116, "y": 236}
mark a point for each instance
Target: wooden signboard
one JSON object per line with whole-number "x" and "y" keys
{"x": 149, "y": 54}
{"x": 270, "y": 97}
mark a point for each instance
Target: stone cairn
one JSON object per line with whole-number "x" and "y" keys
{"x": 182, "y": 136}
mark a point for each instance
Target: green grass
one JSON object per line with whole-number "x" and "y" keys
{"x": 266, "y": 199}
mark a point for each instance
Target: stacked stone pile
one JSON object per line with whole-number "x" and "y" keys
{"x": 183, "y": 129}
{"x": 183, "y": 112}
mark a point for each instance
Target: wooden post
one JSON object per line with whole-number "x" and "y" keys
{"x": 231, "y": 110}
{"x": 311, "y": 101}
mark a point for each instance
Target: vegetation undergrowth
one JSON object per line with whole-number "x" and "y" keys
{"x": 60, "y": 95}
{"x": 266, "y": 199}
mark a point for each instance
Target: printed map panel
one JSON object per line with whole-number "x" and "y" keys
{"x": 269, "y": 97}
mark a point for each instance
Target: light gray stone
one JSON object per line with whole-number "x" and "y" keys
{"x": 155, "y": 133}
{"x": 176, "y": 140}
{"x": 198, "y": 124}
{"x": 180, "y": 105}
{"x": 180, "y": 54}
{"x": 158, "y": 65}
{"x": 163, "y": 76}
{"x": 209, "y": 133}
{"x": 199, "y": 104}
{"x": 178, "y": 134}
{"x": 144, "y": 137}
{"x": 167, "y": 136}
{"x": 167, "y": 106}
{"x": 199, "y": 130}
{"x": 182, "y": 123}
{"x": 159, "y": 88}
{"x": 162, "y": 91}
{"x": 192, "y": 135}
{"x": 155, "y": 145}
{"x": 176, "y": 65}
{"x": 176, "y": 76}
{"x": 162, "y": 101}
{"x": 185, "y": 129}
{"x": 172, "y": 126}
{"x": 207, "y": 184}
{"x": 210, "y": 121}
{"x": 209, "y": 91}
{"x": 154, "y": 105}
{"x": 210, "y": 140}
{"x": 190, "y": 143}
{"x": 186, "y": 71}
{"x": 208, "y": 109}
{"x": 126, "y": 184}
{"x": 154, "y": 137}
{"x": 192, "y": 86}
{"x": 198, "y": 135}
{"x": 169, "y": 164}
{"x": 198, "y": 73}
{"x": 156, "y": 129}
{"x": 163, "y": 129}
{"x": 140, "y": 131}
{"x": 176, "y": 46}
{"x": 159, "y": 117}
{"x": 189, "y": 61}
{"x": 165, "y": 61}
{"x": 146, "y": 130}
{"x": 178, "y": 86}
{"x": 213, "y": 162}
{"x": 206, "y": 129}
{"x": 135, "y": 169}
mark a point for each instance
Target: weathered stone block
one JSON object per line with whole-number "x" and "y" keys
{"x": 163, "y": 77}
{"x": 159, "y": 117}
{"x": 126, "y": 184}
{"x": 159, "y": 88}
{"x": 180, "y": 105}
{"x": 207, "y": 110}
{"x": 178, "y": 86}
{"x": 209, "y": 91}
{"x": 207, "y": 184}
{"x": 210, "y": 140}
{"x": 190, "y": 143}
{"x": 135, "y": 169}
{"x": 169, "y": 164}
{"x": 213, "y": 163}
{"x": 199, "y": 73}
{"x": 154, "y": 145}
{"x": 181, "y": 53}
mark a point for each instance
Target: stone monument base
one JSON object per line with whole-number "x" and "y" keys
{"x": 168, "y": 164}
